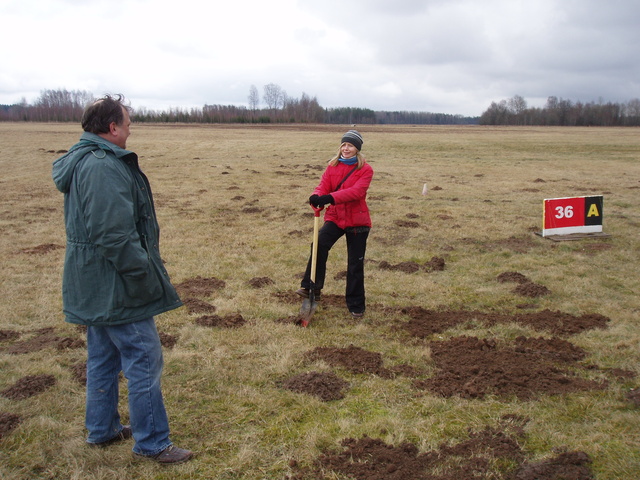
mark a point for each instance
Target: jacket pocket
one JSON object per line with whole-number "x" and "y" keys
{"x": 142, "y": 289}
{"x": 360, "y": 217}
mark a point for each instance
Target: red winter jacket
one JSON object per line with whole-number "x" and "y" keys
{"x": 350, "y": 208}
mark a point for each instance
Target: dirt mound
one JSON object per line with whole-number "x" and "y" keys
{"x": 532, "y": 290}
{"x": 560, "y": 323}
{"x": 525, "y": 287}
{"x": 28, "y": 386}
{"x": 167, "y": 340}
{"x": 200, "y": 287}
{"x": 406, "y": 224}
{"x": 356, "y": 360}
{"x": 569, "y": 465}
{"x": 79, "y": 372}
{"x": 228, "y": 321}
{"x": 515, "y": 277}
{"x": 287, "y": 297}
{"x": 326, "y": 386}
{"x": 470, "y": 367}
{"x": 433, "y": 265}
{"x": 353, "y": 359}
{"x": 8, "y": 423}
{"x": 42, "y": 249}
{"x": 492, "y": 453}
{"x": 424, "y": 323}
{"x": 340, "y": 275}
{"x": 406, "y": 267}
{"x": 195, "y": 305}
{"x": 436, "y": 264}
{"x": 260, "y": 282}
{"x": 553, "y": 348}
{"x": 43, "y": 338}
{"x": 8, "y": 335}
{"x": 634, "y": 396}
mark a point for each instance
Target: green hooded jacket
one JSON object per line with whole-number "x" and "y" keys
{"x": 113, "y": 272}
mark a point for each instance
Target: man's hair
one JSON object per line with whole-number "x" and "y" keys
{"x": 98, "y": 116}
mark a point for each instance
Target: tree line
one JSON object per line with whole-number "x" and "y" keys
{"x": 275, "y": 106}
{"x": 562, "y": 112}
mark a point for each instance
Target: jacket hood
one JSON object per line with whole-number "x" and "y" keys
{"x": 64, "y": 166}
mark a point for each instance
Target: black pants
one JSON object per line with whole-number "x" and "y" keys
{"x": 328, "y": 235}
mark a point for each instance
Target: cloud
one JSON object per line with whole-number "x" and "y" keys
{"x": 450, "y": 56}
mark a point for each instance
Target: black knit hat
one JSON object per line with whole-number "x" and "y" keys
{"x": 354, "y": 138}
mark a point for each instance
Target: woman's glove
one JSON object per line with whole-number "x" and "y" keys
{"x": 320, "y": 201}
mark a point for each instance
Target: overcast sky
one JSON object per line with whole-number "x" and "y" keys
{"x": 445, "y": 56}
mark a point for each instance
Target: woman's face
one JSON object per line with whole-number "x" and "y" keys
{"x": 347, "y": 150}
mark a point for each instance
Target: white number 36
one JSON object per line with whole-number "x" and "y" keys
{"x": 564, "y": 212}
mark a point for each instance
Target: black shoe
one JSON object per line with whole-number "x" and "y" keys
{"x": 124, "y": 434}
{"x": 304, "y": 292}
{"x": 357, "y": 314}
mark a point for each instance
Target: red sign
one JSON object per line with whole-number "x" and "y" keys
{"x": 572, "y": 215}
{"x": 564, "y": 212}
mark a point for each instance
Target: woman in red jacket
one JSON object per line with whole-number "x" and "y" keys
{"x": 343, "y": 187}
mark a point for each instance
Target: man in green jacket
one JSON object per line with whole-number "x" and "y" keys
{"x": 114, "y": 281}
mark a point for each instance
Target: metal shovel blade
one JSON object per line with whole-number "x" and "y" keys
{"x": 308, "y": 308}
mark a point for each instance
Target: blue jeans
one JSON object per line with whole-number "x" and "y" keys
{"x": 135, "y": 349}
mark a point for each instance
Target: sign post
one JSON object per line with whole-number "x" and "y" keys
{"x": 565, "y": 216}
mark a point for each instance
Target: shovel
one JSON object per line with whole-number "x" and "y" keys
{"x": 309, "y": 305}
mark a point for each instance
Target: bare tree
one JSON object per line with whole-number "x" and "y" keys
{"x": 254, "y": 99}
{"x": 273, "y": 96}
{"x": 633, "y": 107}
{"x": 517, "y": 104}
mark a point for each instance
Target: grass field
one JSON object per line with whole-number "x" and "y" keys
{"x": 236, "y": 230}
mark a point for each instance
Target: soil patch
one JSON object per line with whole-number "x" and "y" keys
{"x": 634, "y": 396}
{"x": 44, "y": 338}
{"x": 406, "y": 224}
{"x": 200, "y": 287}
{"x": 8, "y": 335}
{"x": 42, "y": 249}
{"x": 327, "y": 386}
{"x": 525, "y": 287}
{"x": 79, "y": 372}
{"x": 406, "y": 267}
{"x": 470, "y": 367}
{"x": 260, "y": 282}
{"x": 436, "y": 264}
{"x": 424, "y": 323}
{"x": 353, "y": 359}
{"x": 228, "y": 321}
{"x": 569, "y": 465}
{"x": 195, "y": 305}
{"x": 167, "y": 340}
{"x": 29, "y": 386}
{"x": 340, "y": 275}
{"x": 492, "y": 453}
{"x": 514, "y": 277}
{"x": 356, "y": 360}
{"x": 532, "y": 290}
{"x": 8, "y": 423}
{"x": 433, "y": 265}
{"x": 288, "y": 297}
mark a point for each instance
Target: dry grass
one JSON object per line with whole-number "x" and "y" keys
{"x": 232, "y": 205}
